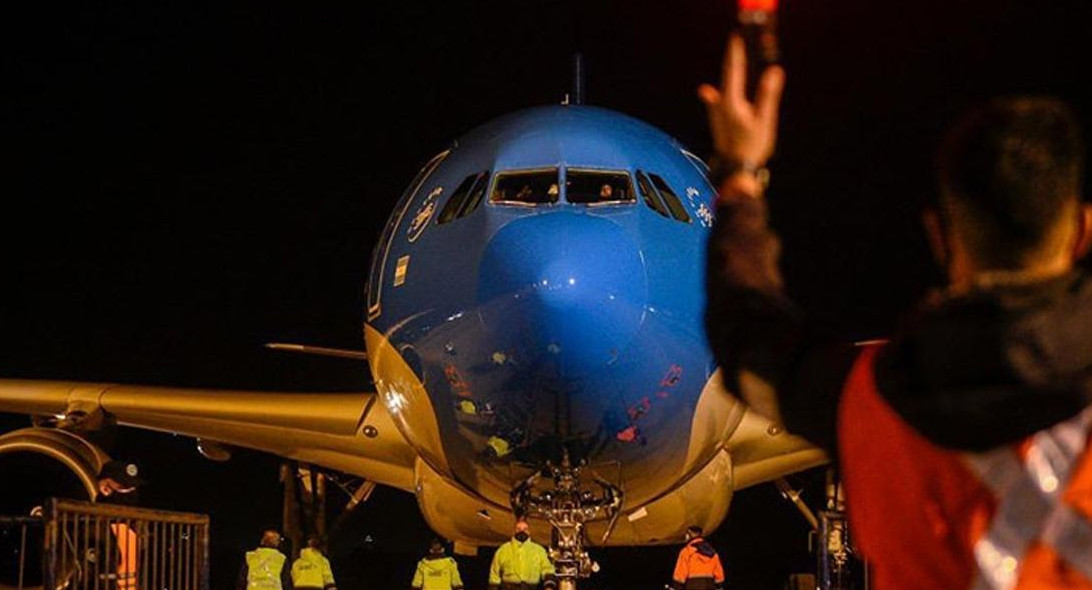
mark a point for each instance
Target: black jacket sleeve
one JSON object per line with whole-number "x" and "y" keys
{"x": 286, "y": 575}
{"x": 753, "y": 326}
{"x": 244, "y": 577}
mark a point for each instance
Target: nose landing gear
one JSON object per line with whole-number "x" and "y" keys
{"x": 567, "y": 507}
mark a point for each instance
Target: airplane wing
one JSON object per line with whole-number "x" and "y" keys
{"x": 762, "y": 451}
{"x": 349, "y": 432}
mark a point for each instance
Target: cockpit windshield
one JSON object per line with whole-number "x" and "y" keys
{"x": 597, "y": 187}
{"x": 535, "y": 187}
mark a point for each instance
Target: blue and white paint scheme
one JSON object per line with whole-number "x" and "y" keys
{"x": 535, "y": 301}
{"x": 532, "y": 330}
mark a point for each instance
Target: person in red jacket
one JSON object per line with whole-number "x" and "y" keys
{"x": 698, "y": 566}
{"x": 964, "y": 440}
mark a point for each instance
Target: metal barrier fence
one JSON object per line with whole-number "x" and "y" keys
{"x": 89, "y": 546}
{"x": 14, "y": 542}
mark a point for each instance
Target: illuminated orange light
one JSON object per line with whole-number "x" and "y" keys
{"x": 758, "y": 5}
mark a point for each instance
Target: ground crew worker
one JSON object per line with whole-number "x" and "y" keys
{"x": 118, "y": 483}
{"x": 311, "y": 570}
{"x": 265, "y": 568}
{"x": 521, "y": 564}
{"x": 964, "y": 441}
{"x": 436, "y": 571}
{"x": 698, "y": 566}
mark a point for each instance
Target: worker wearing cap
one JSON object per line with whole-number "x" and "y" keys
{"x": 265, "y": 568}
{"x": 437, "y": 571}
{"x": 117, "y": 483}
{"x": 311, "y": 570}
{"x": 521, "y": 564}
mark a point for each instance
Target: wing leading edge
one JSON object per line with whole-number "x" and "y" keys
{"x": 349, "y": 432}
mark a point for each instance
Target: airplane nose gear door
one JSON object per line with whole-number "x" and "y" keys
{"x": 567, "y": 507}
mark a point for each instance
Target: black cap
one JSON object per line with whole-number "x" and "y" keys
{"x": 123, "y": 472}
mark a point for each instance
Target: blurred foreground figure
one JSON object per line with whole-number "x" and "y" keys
{"x": 437, "y": 571}
{"x": 311, "y": 570}
{"x": 698, "y": 566}
{"x": 265, "y": 568}
{"x": 964, "y": 441}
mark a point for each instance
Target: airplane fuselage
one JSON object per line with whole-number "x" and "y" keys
{"x": 531, "y": 327}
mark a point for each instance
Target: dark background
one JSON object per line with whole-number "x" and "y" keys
{"x": 187, "y": 180}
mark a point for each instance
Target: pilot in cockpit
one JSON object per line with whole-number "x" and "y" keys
{"x": 606, "y": 192}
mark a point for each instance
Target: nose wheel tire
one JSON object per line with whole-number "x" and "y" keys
{"x": 567, "y": 507}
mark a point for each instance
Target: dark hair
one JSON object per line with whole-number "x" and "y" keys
{"x": 1008, "y": 172}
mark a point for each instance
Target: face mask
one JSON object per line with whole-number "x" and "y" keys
{"x": 522, "y": 536}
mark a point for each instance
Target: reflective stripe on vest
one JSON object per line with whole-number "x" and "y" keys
{"x": 1018, "y": 517}
{"x": 1031, "y": 508}
{"x": 264, "y": 569}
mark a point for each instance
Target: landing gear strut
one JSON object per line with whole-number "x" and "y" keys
{"x": 567, "y": 507}
{"x": 836, "y": 564}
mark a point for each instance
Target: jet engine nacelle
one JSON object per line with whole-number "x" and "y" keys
{"x": 80, "y": 456}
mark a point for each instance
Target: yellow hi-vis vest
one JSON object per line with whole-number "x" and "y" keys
{"x": 516, "y": 562}
{"x": 441, "y": 573}
{"x": 312, "y": 570}
{"x": 264, "y": 566}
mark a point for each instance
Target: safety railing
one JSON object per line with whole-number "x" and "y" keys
{"x": 106, "y": 547}
{"x": 20, "y": 537}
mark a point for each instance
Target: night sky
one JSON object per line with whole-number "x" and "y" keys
{"x": 185, "y": 181}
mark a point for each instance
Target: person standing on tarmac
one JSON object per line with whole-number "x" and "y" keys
{"x": 265, "y": 568}
{"x": 437, "y": 571}
{"x": 311, "y": 570}
{"x": 698, "y": 566}
{"x": 964, "y": 440}
{"x": 521, "y": 564}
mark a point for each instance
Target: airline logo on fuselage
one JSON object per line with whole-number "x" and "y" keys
{"x": 423, "y": 215}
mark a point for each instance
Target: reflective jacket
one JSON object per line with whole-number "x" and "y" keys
{"x": 312, "y": 570}
{"x": 970, "y": 375}
{"x": 265, "y": 569}
{"x": 518, "y": 562}
{"x": 437, "y": 573}
{"x": 698, "y": 567}
{"x": 126, "y": 540}
{"x": 1017, "y": 517}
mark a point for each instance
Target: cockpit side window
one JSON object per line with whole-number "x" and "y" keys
{"x": 476, "y": 193}
{"x": 455, "y": 202}
{"x": 597, "y": 187}
{"x": 670, "y": 198}
{"x": 649, "y": 195}
{"x": 538, "y": 187}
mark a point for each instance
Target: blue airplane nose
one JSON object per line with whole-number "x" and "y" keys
{"x": 573, "y": 286}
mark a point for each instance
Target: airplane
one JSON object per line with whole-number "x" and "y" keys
{"x": 533, "y": 326}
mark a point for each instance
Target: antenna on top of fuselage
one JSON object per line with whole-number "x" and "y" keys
{"x": 577, "y": 96}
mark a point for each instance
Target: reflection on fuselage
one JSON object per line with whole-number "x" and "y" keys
{"x": 560, "y": 316}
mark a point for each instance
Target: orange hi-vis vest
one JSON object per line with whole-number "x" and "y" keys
{"x": 1014, "y": 518}
{"x": 695, "y": 570}
{"x": 126, "y": 539}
